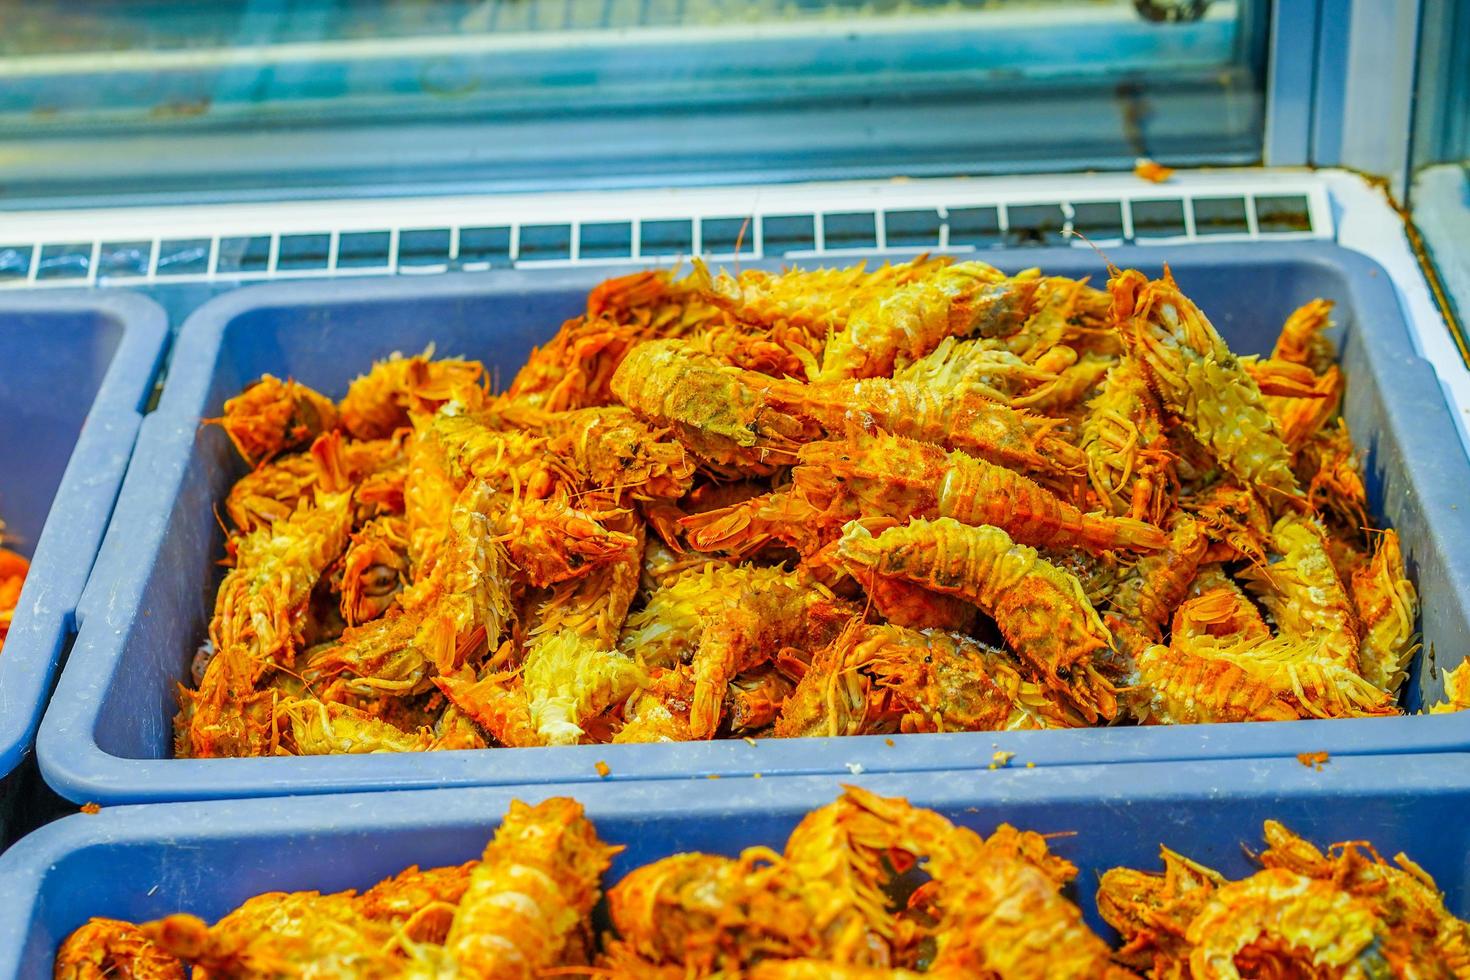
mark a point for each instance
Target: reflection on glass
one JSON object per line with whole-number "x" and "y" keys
{"x": 621, "y": 91}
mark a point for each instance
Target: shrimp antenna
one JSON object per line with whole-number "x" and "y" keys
{"x": 1113, "y": 270}
{"x": 740, "y": 239}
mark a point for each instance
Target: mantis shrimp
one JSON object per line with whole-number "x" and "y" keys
{"x": 1345, "y": 913}
{"x": 910, "y": 320}
{"x": 1041, "y": 610}
{"x": 726, "y": 620}
{"x": 272, "y": 416}
{"x": 879, "y": 679}
{"x": 1199, "y": 380}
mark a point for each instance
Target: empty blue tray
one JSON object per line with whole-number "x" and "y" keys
{"x": 76, "y": 370}
{"x": 107, "y": 737}
{"x": 140, "y": 863}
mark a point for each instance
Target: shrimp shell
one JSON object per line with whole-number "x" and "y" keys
{"x": 550, "y": 541}
{"x": 904, "y": 479}
{"x": 973, "y": 364}
{"x": 421, "y": 901}
{"x": 709, "y": 912}
{"x": 259, "y": 623}
{"x": 1220, "y": 613}
{"x": 1201, "y": 381}
{"x": 575, "y": 368}
{"x": 722, "y": 414}
{"x": 374, "y": 569}
{"x": 1175, "y": 685}
{"x": 1303, "y": 593}
{"x": 272, "y": 416}
{"x": 596, "y": 605}
{"x": 1140, "y": 604}
{"x": 1300, "y": 920}
{"x": 1071, "y": 385}
{"x": 1041, "y": 610}
{"x": 1304, "y": 676}
{"x": 112, "y": 948}
{"x": 1152, "y": 912}
{"x": 813, "y": 969}
{"x": 381, "y": 401}
{"x": 909, "y": 321}
{"x": 271, "y": 492}
{"x": 339, "y": 729}
{"x": 568, "y": 678}
{"x": 283, "y": 933}
{"x": 1301, "y": 340}
{"x": 1007, "y": 918}
{"x": 1456, "y": 690}
{"x": 495, "y": 703}
{"x": 528, "y": 899}
{"x": 819, "y": 301}
{"x": 880, "y": 679}
{"x": 510, "y": 460}
{"x": 725, "y": 620}
{"x": 660, "y": 711}
{"x": 1331, "y": 468}
{"x": 963, "y": 419}
{"x": 609, "y": 448}
{"x": 1387, "y": 605}
{"x": 1119, "y": 432}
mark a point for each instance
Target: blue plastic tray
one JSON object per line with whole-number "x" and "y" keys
{"x": 140, "y": 863}
{"x": 108, "y": 735}
{"x": 76, "y": 369}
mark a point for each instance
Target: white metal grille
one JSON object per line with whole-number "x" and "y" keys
{"x": 239, "y": 243}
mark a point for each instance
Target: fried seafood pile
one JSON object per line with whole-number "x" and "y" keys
{"x": 927, "y": 497}
{"x": 522, "y": 908}
{"x": 867, "y": 888}
{"x": 1343, "y": 913}
{"x": 13, "y": 568}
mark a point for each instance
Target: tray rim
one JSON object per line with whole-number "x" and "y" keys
{"x": 198, "y": 826}
{"x": 61, "y": 565}
{"x": 78, "y": 768}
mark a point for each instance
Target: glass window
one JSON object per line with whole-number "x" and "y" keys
{"x": 158, "y": 98}
{"x": 1439, "y": 195}
{"x": 1442, "y": 100}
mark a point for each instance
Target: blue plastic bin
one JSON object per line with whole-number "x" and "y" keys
{"x": 140, "y": 863}
{"x": 76, "y": 370}
{"x": 107, "y": 737}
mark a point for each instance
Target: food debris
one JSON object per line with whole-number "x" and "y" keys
{"x": 91, "y": 808}
{"x": 888, "y": 742}
{"x": 603, "y": 769}
{"x": 1153, "y": 172}
{"x": 1001, "y": 759}
{"x": 1313, "y": 759}
{"x": 856, "y": 768}
{"x": 749, "y": 741}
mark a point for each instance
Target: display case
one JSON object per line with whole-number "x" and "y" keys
{"x": 183, "y": 152}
